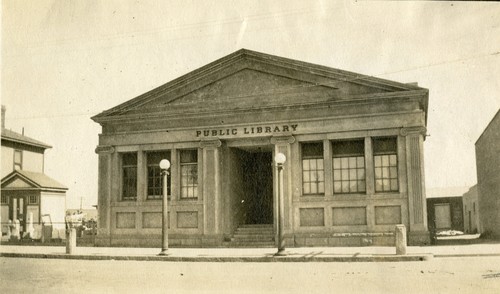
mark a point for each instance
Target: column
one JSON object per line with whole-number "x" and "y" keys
{"x": 104, "y": 193}
{"x": 142, "y": 178}
{"x": 417, "y": 210}
{"x": 211, "y": 187}
{"x": 282, "y": 144}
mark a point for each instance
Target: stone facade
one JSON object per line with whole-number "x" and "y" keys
{"x": 354, "y": 148}
{"x": 488, "y": 177}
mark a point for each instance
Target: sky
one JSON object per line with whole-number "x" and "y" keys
{"x": 64, "y": 61}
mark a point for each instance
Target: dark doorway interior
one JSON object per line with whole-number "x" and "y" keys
{"x": 258, "y": 178}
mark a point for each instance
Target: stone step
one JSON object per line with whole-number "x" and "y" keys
{"x": 255, "y": 232}
{"x": 250, "y": 244}
{"x": 253, "y": 238}
{"x": 258, "y": 226}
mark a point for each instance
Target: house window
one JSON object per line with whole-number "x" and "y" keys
{"x": 349, "y": 166}
{"x": 189, "y": 174}
{"x": 18, "y": 160}
{"x": 155, "y": 178}
{"x": 313, "y": 173}
{"x": 4, "y": 199}
{"x": 386, "y": 164}
{"x": 32, "y": 199}
{"x": 129, "y": 176}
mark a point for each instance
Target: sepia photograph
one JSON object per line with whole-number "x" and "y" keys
{"x": 230, "y": 146}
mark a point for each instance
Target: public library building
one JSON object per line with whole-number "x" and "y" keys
{"x": 353, "y": 146}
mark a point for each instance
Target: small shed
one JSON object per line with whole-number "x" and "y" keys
{"x": 26, "y": 193}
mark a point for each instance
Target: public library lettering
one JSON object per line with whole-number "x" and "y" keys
{"x": 247, "y": 130}
{"x": 354, "y": 167}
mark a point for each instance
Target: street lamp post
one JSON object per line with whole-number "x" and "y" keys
{"x": 164, "y": 166}
{"x": 280, "y": 159}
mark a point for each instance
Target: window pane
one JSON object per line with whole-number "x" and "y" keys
{"x": 352, "y": 174}
{"x": 393, "y": 173}
{"x": 349, "y": 165}
{"x": 320, "y": 164}
{"x": 352, "y": 161}
{"x": 336, "y": 163}
{"x": 314, "y": 189}
{"x": 385, "y": 145}
{"x": 393, "y": 160}
{"x": 345, "y": 162}
{"x": 129, "y": 159}
{"x": 337, "y": 187}
{"x": 385, "y": 160}
{"x": 321, "y": 176}
{"x": 361, "y": 161}
{"x": 378, "y": 172}
{"x": 336, "y": 175}
{"x": 189, "y": 156}
{"x": 385, "y": 172}
{"x": 387, "y": 185}
{"x": 378, "y": 185}
{"x": 307, "y": 176}
{"x": 353, "y": 186}
{"x": 345, "y": 174}
{"x": 313, "y": 164}
{"x": 321, "y": 188}
{"x": 361, "y": 174}
{"x": 313, "y": 150}
{"x": 17, "y": 156}
{"x": 378, "y": 161}
{"x": 345, "y": 186}
{"x": 352, "y": 147}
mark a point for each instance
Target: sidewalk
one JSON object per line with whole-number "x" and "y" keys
{"x": 315, "y": 254}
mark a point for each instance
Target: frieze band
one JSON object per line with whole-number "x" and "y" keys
{"x": 273, "y": 129}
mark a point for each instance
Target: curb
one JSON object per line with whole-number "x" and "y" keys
{"x": 270, "y": 258}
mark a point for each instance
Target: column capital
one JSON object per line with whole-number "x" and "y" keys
{"x": 104, "y": 149}
{"x": 413, "y": 131}
{"x": 282, "y": 140}
{"x": 210, "y": 143}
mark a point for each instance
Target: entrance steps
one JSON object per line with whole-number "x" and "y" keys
{"x": 261, "y": 235}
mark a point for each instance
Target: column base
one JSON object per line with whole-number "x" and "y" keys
{"x": 164, "y": 252}
{"x": 419, "y": 238}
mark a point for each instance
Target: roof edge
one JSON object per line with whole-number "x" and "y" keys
{"x": 246, "y": 53}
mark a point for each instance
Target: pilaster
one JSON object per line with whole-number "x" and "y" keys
{"x": 282, "y": 144}
{"x": 211, "y": 185}
{"x": 418, "y": 232}
{"x": 105, "y": 154}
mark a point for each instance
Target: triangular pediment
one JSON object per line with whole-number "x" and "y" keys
{"x": 17, "y": 182}
{"x": 248, "y": 79}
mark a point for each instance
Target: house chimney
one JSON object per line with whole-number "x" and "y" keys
{"x": 3, "y": 116}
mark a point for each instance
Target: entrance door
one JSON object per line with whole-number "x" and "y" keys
{"x": 17, "y": 209}
{"x": 258, "y": 177}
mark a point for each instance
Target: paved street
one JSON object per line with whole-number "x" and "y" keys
{"x": 440, "y": 275}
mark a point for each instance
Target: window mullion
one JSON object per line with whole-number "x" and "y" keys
{"x": 369, "y": 167}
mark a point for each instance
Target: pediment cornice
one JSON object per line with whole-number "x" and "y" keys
{"x": 315, "y": 75}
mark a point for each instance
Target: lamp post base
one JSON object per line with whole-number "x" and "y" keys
{"x": 164, "y": 252}
{"x": 281, "y": 252}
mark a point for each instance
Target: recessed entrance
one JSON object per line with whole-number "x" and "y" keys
{"x": 257, "y": 185}
{"x": 259, "y": 179}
